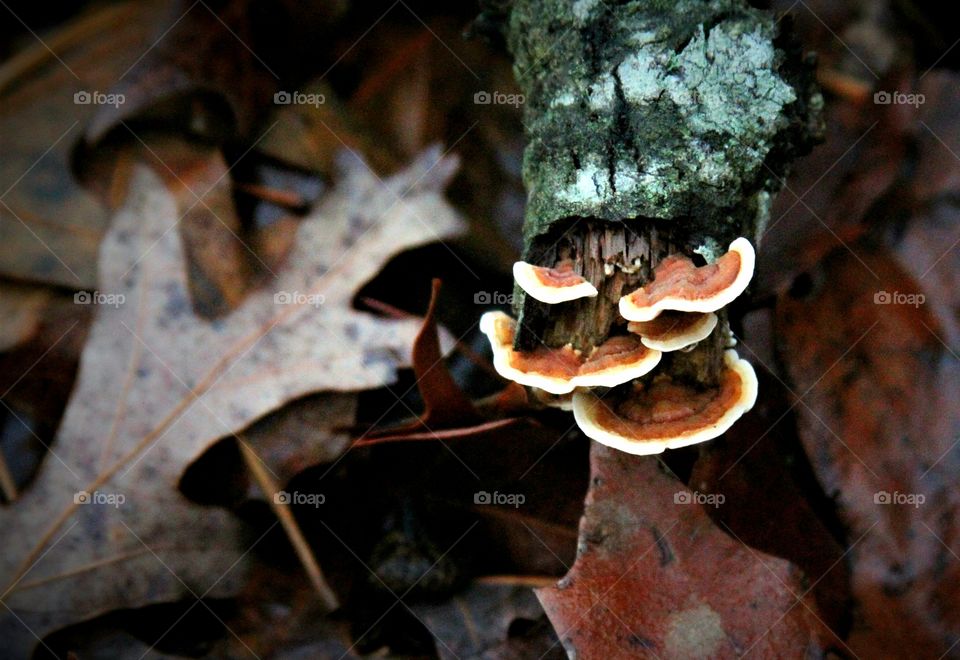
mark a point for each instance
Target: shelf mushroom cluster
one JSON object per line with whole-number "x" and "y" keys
{"x": 672, "y": 312}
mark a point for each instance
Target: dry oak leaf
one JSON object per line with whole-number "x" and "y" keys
{"x": 654, "y": 578}
{"x": 157, "y": 385}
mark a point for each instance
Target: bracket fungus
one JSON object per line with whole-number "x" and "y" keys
{"x": 622, "y": 195}
{"x": 559, "y": 401}
{"x": 680, "y": 285}
{"x": 552, "y": 285}
{"x": 560, "y": 370}
{"x": 704, "y": 387}
{"x": 674, "y": 331}
{"x": 649, "y": 418}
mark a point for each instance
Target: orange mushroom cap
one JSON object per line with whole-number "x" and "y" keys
{"x": 673, "y": 331}
{"x": 666, "y": 415}
{"x": 679, "y": 285}
{"x": 552, "y": 285}
{"x": 561, "y": 370}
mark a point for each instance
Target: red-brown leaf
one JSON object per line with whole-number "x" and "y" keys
{"x": 654, "y": 578}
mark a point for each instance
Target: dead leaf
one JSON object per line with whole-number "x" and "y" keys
{"x": 308, "y": 136}
{"x": 20, "y": 308}
{"x": 938, "y": 137}
{"x": 445, "y": 404}
{"x": 157, "y": 385}
{"x": 448, "y": 412}
{"x": 221, "y": 264}
{"x": 770, "y": 495}
{"x": 484, "y": 621}
{"x": 830, "y": 191}
{"x": 303, "y": 433}
{"x": 655, "y": 578}
{"x": 880, "y": 423}
{"x": 50, "y": 226}
{"x": 195, "y": 47}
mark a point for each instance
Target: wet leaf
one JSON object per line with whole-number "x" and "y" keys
{"x": 880, "y": 422}
{"x": 771, "y": 499}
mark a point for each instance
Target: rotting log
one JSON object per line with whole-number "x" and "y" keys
{"x": 654, "y": 127}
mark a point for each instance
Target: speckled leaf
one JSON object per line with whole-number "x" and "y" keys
{"x": 655, "y": 578}
{"x": 157, "y": 385}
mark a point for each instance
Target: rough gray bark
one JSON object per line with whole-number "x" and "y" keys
{"x": 654, "y": 126}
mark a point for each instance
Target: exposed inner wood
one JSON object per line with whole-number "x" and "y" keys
{"x": 703, "y": 365}
{"x": 590, "y": 246}
{"x": 616, "y": 258}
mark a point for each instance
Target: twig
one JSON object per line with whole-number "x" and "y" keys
{"x": 290, "y": 526}
{"x": 7, "y": 484}
{"x": 286, "y": 198}
{"x": 532, "y": 581}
